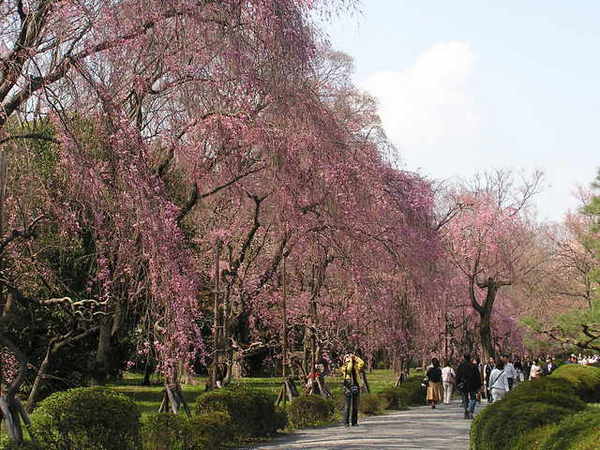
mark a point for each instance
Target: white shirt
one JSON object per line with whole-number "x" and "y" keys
{"x": 448, "y": 374}
{"x": 535, "y": 371}
{"x": 499, "y": 379}
{"x": 510, "y": 370}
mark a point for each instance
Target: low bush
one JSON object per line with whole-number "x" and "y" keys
{"x": 585, "y": 379}
{"x": 503, "y": 423}
{"x": 532, "y": 440}
{"x": 544, "y": 385}
{"x": 562, "y": 400}
{"x": 252, "y": 413}
{"x": 310, "y": 410}
{"x": 548, "y": 413}
{"x": 166, "y": 431}
{"x": 210, "y": 430}
{"x": 574, "y": 431}
{"x": 87, "y": 418}
{"x": 411, "y": 393}
{"x": 371, "y": 404}
{"x": 7, "y": 444}
{"x": 393, "y": 399}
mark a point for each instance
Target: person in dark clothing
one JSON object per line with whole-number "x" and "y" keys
{"x": 435, "y": 393}
{"x": 487, "y": 370}
{"x": 468, "y": 382}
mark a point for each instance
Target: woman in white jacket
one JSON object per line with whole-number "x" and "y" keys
{"x": 498, "y": 381}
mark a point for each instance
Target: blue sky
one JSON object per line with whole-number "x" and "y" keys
{"x": 468, "y": 85}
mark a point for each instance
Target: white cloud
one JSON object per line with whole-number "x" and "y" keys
{"x": 427, "y": 109}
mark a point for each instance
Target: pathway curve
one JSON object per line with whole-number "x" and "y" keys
{"x": 417, "y": 428}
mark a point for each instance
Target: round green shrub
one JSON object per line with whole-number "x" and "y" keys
{"x": 585, "y": 379}
{"x": 564, "y": 401}
{"x": 7, "y": 444}
{"x": 210, "y": 430}
{"x": 371, "y": 404}
{"x": 310, "y": 410}
{"x": 542, "y": 386}
{"x": 166, "y": 431}
{"x": 589, "y": 442}
{"x": 534, "y": 439}
{"x": 252, "y": 413}
{"x": 87, "y": 418}
{"x": 393, "y": 399}
{"x": 503, "y": 423}
{"x": 575, "y": 430}
{"x": 411, "y": 393}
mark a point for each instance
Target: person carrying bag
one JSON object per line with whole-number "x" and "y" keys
{"x": 351, "y": 370}
{"x": 499, "y": 382}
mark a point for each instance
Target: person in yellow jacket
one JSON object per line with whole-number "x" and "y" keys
{"x": 351, "y": 372}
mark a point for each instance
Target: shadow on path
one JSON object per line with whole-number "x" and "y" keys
{"x": 418, "y": 428}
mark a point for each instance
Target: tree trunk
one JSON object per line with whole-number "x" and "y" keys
{"x": 11, "y": 418}
{"x": 103, "y": 352}
{"x": 485, "y": 335}
{"x": 38, "y": 380}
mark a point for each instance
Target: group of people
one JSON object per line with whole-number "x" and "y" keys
{"x": 473, "y": 379}
{"x": 491, "y": 380}
{"x": 441, "y": 382}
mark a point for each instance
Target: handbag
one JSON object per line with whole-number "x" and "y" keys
{"x": 460, "y": 386}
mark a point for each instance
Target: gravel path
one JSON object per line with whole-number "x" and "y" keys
{"x": 418, "y": 428}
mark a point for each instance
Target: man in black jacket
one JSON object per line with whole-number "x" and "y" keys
{"x": 468, "y": 382}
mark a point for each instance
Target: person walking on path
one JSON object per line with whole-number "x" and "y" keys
{"x": 499, "y": 381}
{"x": 351, "y": 371}
{"x": 448, "y": 380}
{"x": 487, "y": 370}
{"x": 536, "y": 370}
{"x": 468, "y": 383}
{"x": 435, "y": 392}
{"x": 511, "y": 373}
{"x": 519, "y": 368}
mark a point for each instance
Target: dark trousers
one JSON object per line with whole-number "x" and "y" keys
{"x": 511, "y": 381}
{"x": 469, "y": 401}
{"x": 351, "y": 406}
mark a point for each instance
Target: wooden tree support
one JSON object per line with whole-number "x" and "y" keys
{"x": 288, "y": 391}
{"x": 173, "y": 400}
{"x": 366, "y": 383}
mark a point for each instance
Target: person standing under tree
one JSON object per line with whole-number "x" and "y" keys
{"x": 434, "y": 383}
{"x": 448, "y": 380}
{"x": 351, "y": 371}
{"x": 468, "y": 383}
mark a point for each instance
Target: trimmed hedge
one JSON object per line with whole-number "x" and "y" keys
{"x": 310, "y": 410}
{"x": 7, "y": 444}
{"x": 585, "y": 379}
{"x": 533, "y": 439}
{"x": 371, "y": 404}
{"x": 87, "y": 418}
{"x": 501, "y": 425}
{"x": 252, "y": 413}
{"x": 544, "y": 385}
{"x": 393, "y": 398}
{"x": 411, "y": 393}
{"x": 575, "y": 432}
{"x": 210, "y": 430}
{"x": 546, "y": 413}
